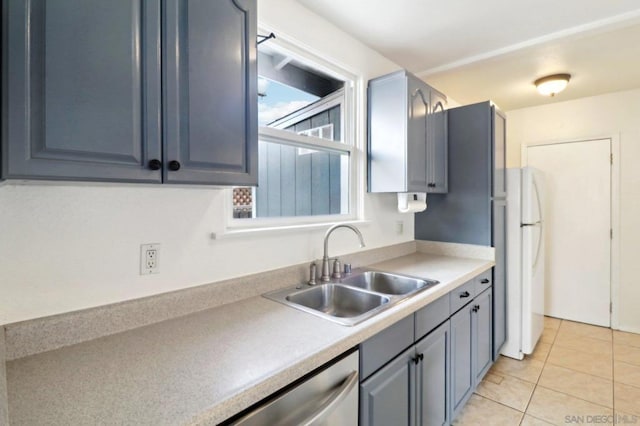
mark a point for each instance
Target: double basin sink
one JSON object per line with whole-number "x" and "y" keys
{"x": 353, "y": 298}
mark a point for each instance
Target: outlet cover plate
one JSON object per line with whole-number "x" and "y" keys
{"x": 149, "y": 259}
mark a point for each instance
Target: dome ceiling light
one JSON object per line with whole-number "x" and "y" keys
{"x": 552, "y": 84}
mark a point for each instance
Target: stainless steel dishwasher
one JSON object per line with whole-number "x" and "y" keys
{"x": 328, "y": 397}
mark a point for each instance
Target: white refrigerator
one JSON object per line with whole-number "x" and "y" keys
{"x": 525, "y": 261}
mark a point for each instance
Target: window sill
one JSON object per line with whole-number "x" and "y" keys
{"x": 278, "y": 230}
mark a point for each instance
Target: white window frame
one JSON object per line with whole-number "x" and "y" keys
{"x": 351, "y": 101}
{"x": 320, "y": 130}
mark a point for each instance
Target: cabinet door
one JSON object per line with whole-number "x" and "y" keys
{"x": 437, "y": 144}
{"x": 82, "y": 98}
{"x": 433, "y": 378}
{"x": 482, "y": 331}
{"x": 462, "y": 376}
{"x": 499, "y": 276}
{"x": 210, "y": 92}
{"x": 388, "y": 397}
{"x": 419, "y": 107}
{"x": 499, "y": 153}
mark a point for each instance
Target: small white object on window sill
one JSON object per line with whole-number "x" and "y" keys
{"x": 412, "y": 202}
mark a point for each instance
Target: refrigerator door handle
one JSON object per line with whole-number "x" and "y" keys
{"x": 535, "y": 261}
{"x": 522, "y": 225}
{"x": 538, "y": 201}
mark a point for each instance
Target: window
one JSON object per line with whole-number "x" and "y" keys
{"x": 306, "y": 152}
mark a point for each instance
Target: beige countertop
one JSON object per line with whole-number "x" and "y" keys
{"x": 204, "y": 367}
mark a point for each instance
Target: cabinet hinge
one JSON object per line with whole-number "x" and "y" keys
{"x": 610, "y": 307}
{"x": 611, "y": 233}
{"x": 611, "y": 158}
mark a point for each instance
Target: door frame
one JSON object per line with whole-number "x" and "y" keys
{"x": 614, "y": 206}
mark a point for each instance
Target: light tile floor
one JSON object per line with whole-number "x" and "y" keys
{"x": 578, "y": 374}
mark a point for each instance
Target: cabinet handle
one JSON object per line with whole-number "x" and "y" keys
{"x": 154, "y": 164}
{"x": 465, "y": 294}
{"x": 416, "y": 360}
{"x": 174, "y": 165}
{"x": 484, "y": 281}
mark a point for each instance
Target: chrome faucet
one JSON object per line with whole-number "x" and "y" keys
{"x": 326, "y": 276}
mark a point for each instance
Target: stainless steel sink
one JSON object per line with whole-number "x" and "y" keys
{"x": 337, "y": 300}
{"x": 355, "y": 298}
{"x": 383, "y": 282}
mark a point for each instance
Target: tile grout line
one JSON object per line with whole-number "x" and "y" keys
{"x": 623, "y": 383}
{"x": 544, "y": 364}
{"x": 575, "y": 397}
{"x": 500, "y": 403}
{"x": 576, "y": 350}
{"x": 578, "y": 371}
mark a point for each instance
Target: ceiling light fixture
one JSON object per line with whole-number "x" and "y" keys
{"x": 552, "y": 84}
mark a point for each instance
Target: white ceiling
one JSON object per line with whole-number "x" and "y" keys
{"x": 495, "y": 49}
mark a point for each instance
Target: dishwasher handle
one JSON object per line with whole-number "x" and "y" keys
{"x": 335, "y": 399}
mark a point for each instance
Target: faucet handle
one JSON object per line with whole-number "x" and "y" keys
{"x": 347, "y": 268}
{"x": 312, "y": 274}
{"x": 336, "y": 269}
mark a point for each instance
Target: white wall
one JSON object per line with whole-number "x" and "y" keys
{"x": 65, "y": 247}
{"x": 614, "y": 114}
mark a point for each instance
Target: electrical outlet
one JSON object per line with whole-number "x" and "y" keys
{"x": 149, "y": 259}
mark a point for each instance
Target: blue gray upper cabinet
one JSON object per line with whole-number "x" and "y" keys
{"x": 210, "y": 92}
{"x": 407, "y": 146}
{"x": 133, "y": 91}
{"x": 81, "y": 98}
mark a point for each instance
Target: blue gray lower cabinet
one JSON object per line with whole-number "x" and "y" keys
{"x": 499, "y": 276}
{"x": 411, "y": 389}
{"x": 482, "y": 331}
{"x": 388, "y": 397}
{"x": 428, "y": 382}
{"x": 433, "y": 377}
{"x": 462, "y": 377}
{"x": 471, "y": 348}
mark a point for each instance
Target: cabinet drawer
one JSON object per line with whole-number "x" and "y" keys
{"x": 462, "y": 295}
{"x": 484, "y": 281}
{"x": 384, "y": 346}
{"x": 432, "y": 315}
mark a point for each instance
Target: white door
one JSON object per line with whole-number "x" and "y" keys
{"x": 577, "y": 224}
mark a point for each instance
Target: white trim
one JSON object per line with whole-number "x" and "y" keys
{"x": 334, "y": 99}
{"x": 615, "y": 210}
{"x": 618, "y": 21}
{"x": 615, "y": 225}
{"x": 285, "y": 137}
{"x": 305, "y": 54}
{"x": 249, "y": 232}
